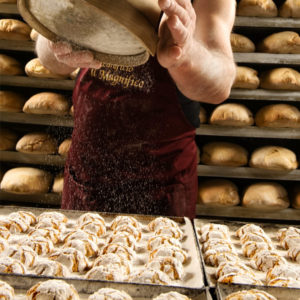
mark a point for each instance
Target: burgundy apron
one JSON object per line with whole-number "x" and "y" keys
{"x": 133, "y": 150}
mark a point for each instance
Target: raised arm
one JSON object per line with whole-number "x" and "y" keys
{"x": 195, "y": 47}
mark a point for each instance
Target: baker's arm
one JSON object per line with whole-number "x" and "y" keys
{"x": 195, "y": 47}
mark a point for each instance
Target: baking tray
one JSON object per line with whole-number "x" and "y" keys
{"x": 194, "y": 276}
{"x": 269, "y": 228}
{"x": 137, "y": 291}
{"x": 223, "y": 290}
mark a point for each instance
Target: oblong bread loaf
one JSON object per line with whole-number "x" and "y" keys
{"x": 8, "y": 139}
{"x": 246, "y": 78}
{"x": 218, "y": 192}
{"x": 64, "y": 147}
{"x": 266, "y": 195}
{"x": 11, "y": 29}
{"x": 224, "y": 154}
{"x": 277, "y": 116}
{"x": 290, "y": 9}
{"x": 58, "y": 183}
{"x": 241, "y": 43}
{"x": 10, "y": 66}
{"x": 231, "y": 114}
{"x": 37, "y": 143}
{"x": 25, "y": 180}
{"x": 8, "y": 1}
{"x": 34, "y": 68}
{"x": 47, "y": 103}
{"x": 257, "y": 8}
{"x": 296, "y": 197}
{"x": 280, "y": 79}
{"x": 285, "y": 42}
{"x": 274, "y": 158}
{"x": 11, "y": 101}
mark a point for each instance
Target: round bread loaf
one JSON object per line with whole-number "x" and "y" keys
{"x": 296, "y": 197}
{"x": 37, "y": 143}
{"x": 64, "y": 147}
{"x": 266, "y": 195}
{"x": 10, "y": 66}
{"x": 231, "y": 114}
{"x": 34, "y": 35}
{"x": 224, "y": 154}
{"x": 280, "y": 79}
{"x": 11, "y": 29}
{"x": 274, "y": 158}
{"x": 287, "y": 42}
{"x": 34, "y": 68}
{"x": 218, "y": 192}
{"x": 241, "y": 43}
{"x": 257, "y": 8}
{"x": 277, "y": 116}
{"x": 8, "y": 139}
{"x": 290, "y": 9}
{"x": 47, "y": 103}
{"x": 246, "y": 78}
{"x": 11, "y": 101}
{"x": 58, "y": 183}
{"x": 24, "y": 180}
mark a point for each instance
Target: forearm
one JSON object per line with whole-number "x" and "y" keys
{"x": 48, "y": 59}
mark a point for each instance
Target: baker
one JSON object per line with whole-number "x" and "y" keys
{"x": 133, "y": 144}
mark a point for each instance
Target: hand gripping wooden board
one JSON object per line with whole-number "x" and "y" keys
{"x": 116, "y": 31}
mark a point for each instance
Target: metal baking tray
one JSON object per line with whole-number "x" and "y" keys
{"x": 269, "y": 228}
{"x": 223, "y": 290}
{"x": 21, "y": 283}
{"x": 194, "y": 276}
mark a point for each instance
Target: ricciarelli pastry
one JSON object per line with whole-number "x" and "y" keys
{"x": 257, "y": 8}
{"x": 241, "y": 43}
{"x": 280, "y": 79}
{"x": 10, "y": 265}
{"x": 47, "y": 267}
{"x": 167, "y": 251}
{"x": 24, "y": 254}
{"x": 160, "y": 222}
{"x": 109, "y": 294}
{"x": 252, "y": 294}
{"x": 159, "y": 240}
{"x": 87, "y": 247}
{"x": 290, "y": 9}
{"x": 7, "y": 292}
{"x": 152, "y": 276}
{"x": 246, "y": 78}
{"x": 172, "y": 296}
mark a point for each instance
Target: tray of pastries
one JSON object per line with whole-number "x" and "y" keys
{"x": 260, "y": 254}
{"x": 99, "y": 246}
{"x": 17, "y": 287}
{"x": 246, "y": 292}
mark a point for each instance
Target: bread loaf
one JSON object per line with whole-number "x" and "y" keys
{"x": 8, "y": 139}
{"x": 10, "y": 66}
{"x": 280, "y": 79}
{"x": 257, "y": 8}
{"x": 224, "y": 154}
{"x": 64, "y": 147}
{"x": 241, "y": 43}
{"x": 266, "y": 195}
{"x": 202, "y": 115}
{"x": 34, "y": 35}
{"x": 37, "y": 143}
{"x": 8, "y": 1}
{"x": 274, "y": 158}
{"x": 71, "y": 112}
{"x": 58, "y": 183}
{"x": 286, "y": 42}
{"x": 246, "y": 78}
{"x": 11, "y": 101}
{"x": 231, "y": 114}
{"x": 296, "y": 197}
{"x": 34, "y": 68}
{"x": 47, "y": 103}
{"x": 24, "y": 180}
{"x": 277, "y": 116}
{"x": 74, "y": 74}
{"x": 290, "y": 9}
{"x": 218, "y": 192}
{"x": 11, "y": 29}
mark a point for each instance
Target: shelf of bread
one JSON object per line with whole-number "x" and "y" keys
{"x": 247, "y": 172}
{"x": 267, "y": 58}
{"x": 17, "y": 45}
{"x": 36, "y": 159}
{"x": 9, "y": 8}
{"x": 275, "y": 22}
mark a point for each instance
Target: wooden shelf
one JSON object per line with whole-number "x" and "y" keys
{"x": 36, "y": 159}
{"x": 267, "y": 58}
{"x": 44, "y": 83}
{"x": 277, "y": 22}
{"x": 9, "y": 8}
{"x": 249, "y": 131}
{"x": 50, "y": 120}
{"x": 266, "y": 95}
{"x": 28, "y": 46}
{"x": 289, "y": 214}
{"x": 247, "y": 172}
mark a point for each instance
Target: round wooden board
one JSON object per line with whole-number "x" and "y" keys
{"x": 114, "y": 30}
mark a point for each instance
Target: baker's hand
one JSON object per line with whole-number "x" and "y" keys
{"x": 176, "y": 32}
{"x": 65, "y": 54}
